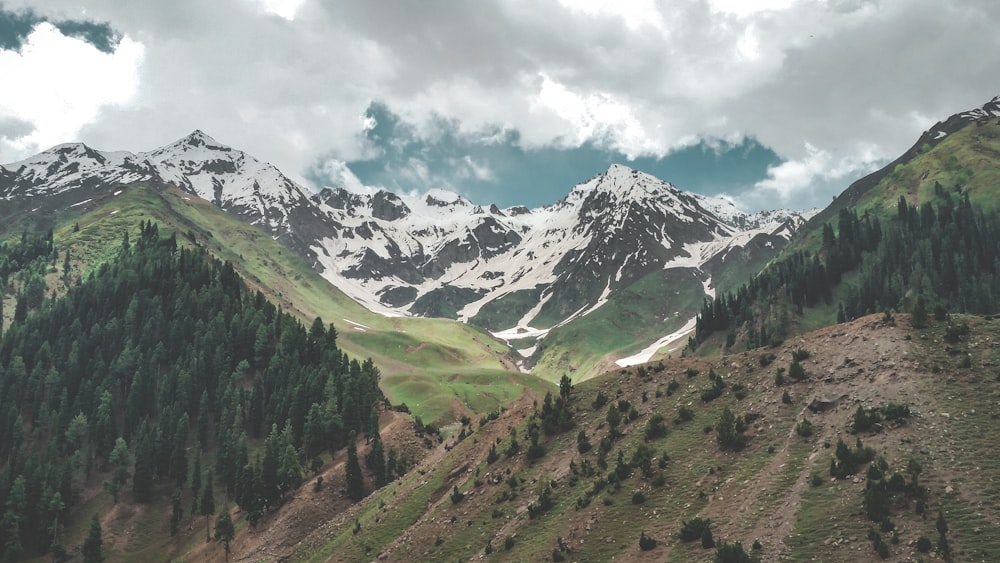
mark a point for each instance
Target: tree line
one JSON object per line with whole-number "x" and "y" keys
{"x": 943, "y": 253}
{"x": 156, "y": 360}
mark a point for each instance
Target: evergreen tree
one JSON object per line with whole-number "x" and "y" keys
{"x": 725, "y": 432}
{"x": 13, "y": 516}
{"x": 92, "y": 546}
{"x": 120, "y": 462}
{"x": 179, "y": 457}
{"x": 145, "y": 465}
{"x": 375, "y": 460}
{"x": 177, "y": 512}
{"x": 207, "y": 505}
{"x": 565, "y": 387}
{"x": 224, "y": 530}
{"x": 355, "y": 479}
{"x": 196, "y": 488}
{"x": 918, "y": 316}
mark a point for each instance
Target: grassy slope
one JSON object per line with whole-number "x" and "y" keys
{"x": 763, "y": 492}
{"x": 655, "y": 305}
{"x": 439, "y": 368}
{"x": 969, "y": 158}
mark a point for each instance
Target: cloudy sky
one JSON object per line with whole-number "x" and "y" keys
{"x": 775, "y": 102}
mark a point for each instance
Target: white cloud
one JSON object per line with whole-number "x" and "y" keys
{"x": 744, "y": 8}
{"x": 340, "y": 175}
{"x": 283, "y": 8}
{"x": 59, "y": 84}
{"x": 644, "y": 77}
{"x": 795, "y": 183}
{"x": 635, "y": 13}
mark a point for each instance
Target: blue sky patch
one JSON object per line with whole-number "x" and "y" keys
{"x": 493, "y": 167}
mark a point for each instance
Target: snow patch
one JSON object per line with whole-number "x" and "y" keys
{"x": 527, "y": 352}
{"x": 647, "y": 353}
{"x": 357, "y": 325}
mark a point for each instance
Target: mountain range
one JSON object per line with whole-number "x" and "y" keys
{"x": 870, "y": 426}
{"x": 516, "y": 272}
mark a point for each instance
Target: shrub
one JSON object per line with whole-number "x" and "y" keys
{"x": 848, "y": 461}
{"x": 655, "y": 428}
{"x": 804, "y": 428}
{"x": 766, "y": 359}
{"x": 582, "y": 443}
{"x": 796, "y": 371}
{"x": 726, "y": 433}
{"x": 535, "y": 451}
{"x": 456, "y": 495}
{"x": 816, "y": 480}
{"x": 864, "y": 419}
{"x": 508, "y": 543}
{"x": 715, "y": 391}
{"x": 924, "y": 544}
{"x": 694, "y": 528}
{"x": 800, "y": 355}
{"x": 646, "y": 543}
{"x": 544, "y": 504}
{"x": 672, "y": 387}
{"x": 600, "y": 400}
{"x": 881, "y": 548}
{"x": 638, "y": 497}
{"x": 707, "y": 541}
{"x": 894, "y": 411}
{"x": 684, "y": 414}
{"x": 954, "y": 333}
{"x": 733, "y": 553}
{"x": 739, "y": 391}
{"x": 691, "y": 372}
{"x": 786, "y": 398}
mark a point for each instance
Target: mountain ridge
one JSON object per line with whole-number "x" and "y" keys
{"x": 435, "y": 254}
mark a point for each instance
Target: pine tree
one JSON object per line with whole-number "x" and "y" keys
{"x": 355, "y": 479}
{"x": 375, "y": 460}
{"x": 91, "y": 549}
{"x": 224, "y": 530}
{"x": 13, "y": 516}
{"x": 177, "y": 512}
{"x": 179, "y": 457}
{"x": 565, "y": 387}
{"x": 196, "y": 488}
{"x": 918, "y": 316}
{"x": 145, "y": 464}
{"x": 725, "y": 432}
{"x": 207, "y": 505}
{"x": 120, "y": 462}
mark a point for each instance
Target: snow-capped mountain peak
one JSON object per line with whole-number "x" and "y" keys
{"x": 434, "y": 253}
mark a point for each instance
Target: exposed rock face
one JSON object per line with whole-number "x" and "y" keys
{"x": 434, "y": 254}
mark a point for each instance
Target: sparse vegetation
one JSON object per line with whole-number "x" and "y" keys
{"x": 646, "y": 543}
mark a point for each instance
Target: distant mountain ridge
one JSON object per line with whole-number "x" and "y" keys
{"x": 437, "y": 254}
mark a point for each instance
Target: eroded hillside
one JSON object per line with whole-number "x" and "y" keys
{"x": 777, "y": 490}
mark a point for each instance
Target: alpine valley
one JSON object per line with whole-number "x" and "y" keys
{"x": 192, "y": 341}
{"x": 623, "y": 260}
